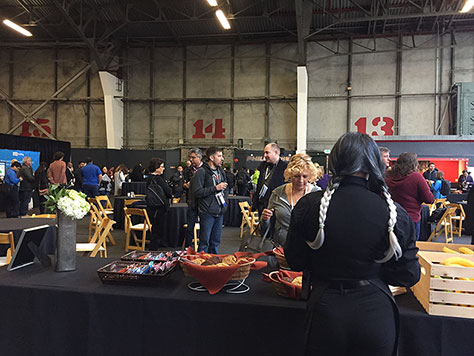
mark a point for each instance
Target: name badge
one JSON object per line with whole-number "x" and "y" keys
{"x": 263, "y": 191}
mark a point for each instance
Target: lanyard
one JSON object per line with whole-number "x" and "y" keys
{"x": 268, "y": 172}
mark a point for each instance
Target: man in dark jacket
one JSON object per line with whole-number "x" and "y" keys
{"x": 195, "y": 157}
{"x": 209, "y": 186}
{"x": 177, "y": 181}
{"x": 27, "y": 185}
{"x": 13, "y": 181}
{"x": 271, "y": 176}
{"x": 243, "y": 182}
{"x": 230, "y": 179}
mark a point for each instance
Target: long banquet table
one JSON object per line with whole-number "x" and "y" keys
{"x": 73, "y": 313}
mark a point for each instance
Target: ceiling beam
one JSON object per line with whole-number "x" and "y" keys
{"x": 304, "y": 14}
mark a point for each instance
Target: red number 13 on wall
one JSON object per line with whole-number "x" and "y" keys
{"x": 385, "y": 124}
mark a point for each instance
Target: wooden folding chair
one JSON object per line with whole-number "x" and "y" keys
{"x": 128, "y": 202}
{"x": 444, "y": 224}
{"x": 101, "y": 212}
{"x": 246, "y": 219}
{"x": 132, "y": 229}
{"x": 98, "y": 243}
{"x": 456, "y": 219}
{"x": 108, "y": 208}
{"x": 438, "y": 203}
{"x": 7, "y": 239}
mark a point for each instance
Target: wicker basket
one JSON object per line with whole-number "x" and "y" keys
{"x": 242, "y": 273}
{"x": 281, "y": 259}
{"x": 110, "y": 274}
{"x": 280, "y": 288}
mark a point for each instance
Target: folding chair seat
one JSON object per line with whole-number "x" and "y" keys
{"x": 7, "y": 239}
{"x": 132, "y": 229}
{"x": 98, "y": 243}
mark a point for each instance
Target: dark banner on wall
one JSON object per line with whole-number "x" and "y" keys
{"x": 112, "y": 158}
{"x": 46, "y": 147}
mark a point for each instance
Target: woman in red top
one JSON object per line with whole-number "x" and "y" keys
{"x": 408, "y": 187}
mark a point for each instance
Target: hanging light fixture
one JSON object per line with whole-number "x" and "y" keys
{"x": 212, "y": 2}
{"x": 18, "y": 28}
{"x": 223, "y": 20}
{"x": 467, "y": 6}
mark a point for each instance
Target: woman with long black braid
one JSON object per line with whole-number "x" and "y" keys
{"x": 355, "y": 241}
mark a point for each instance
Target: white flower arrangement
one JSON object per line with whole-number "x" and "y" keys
{"x": 71, "y": 203}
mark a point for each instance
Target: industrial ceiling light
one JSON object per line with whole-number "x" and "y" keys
{"x": 223, "y": 20}
{"x": 467, "y": 6}
{"x": 212, "y": 2}
{"x": 17, "y": 28}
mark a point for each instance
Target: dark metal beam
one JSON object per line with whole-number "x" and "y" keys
{"x": 88, "y": 41}
{"x": 304, "y": 10}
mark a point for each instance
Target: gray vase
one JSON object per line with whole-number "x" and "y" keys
{"x": 66, "y": 244}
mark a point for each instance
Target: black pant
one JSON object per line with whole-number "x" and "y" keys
{"x": 25, "y": 197}
{"x": 350, "y": 322}
{"x": 13, "y": 204}
{"x": 158, "y": 237}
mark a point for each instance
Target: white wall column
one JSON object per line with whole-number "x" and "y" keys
{"x": 113, "y": 105}
{"x": 302, "y": 110}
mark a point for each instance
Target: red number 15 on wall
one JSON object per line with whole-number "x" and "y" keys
{"x": 384, "y": 124}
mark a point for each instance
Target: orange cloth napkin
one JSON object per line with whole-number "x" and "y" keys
{"x": 213, "y": 278}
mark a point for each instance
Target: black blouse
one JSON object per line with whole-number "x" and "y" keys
{"x": 356, "y": 234}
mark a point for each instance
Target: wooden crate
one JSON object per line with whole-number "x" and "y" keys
{"x": 441, "y": 290}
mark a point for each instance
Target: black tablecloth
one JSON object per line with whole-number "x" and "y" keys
{"x": 456, "y": 198}
{"x": 174, "y": 231}
{"x": 136, "y": 187}
{"x": 233, "y": 215}
{"x": 73, "y": 313}
{"x": 17, "y": 225}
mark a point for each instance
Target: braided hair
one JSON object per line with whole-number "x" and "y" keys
{"x": 358, "y": 153}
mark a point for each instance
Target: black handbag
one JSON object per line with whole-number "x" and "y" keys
{"x": 258, "y": 242}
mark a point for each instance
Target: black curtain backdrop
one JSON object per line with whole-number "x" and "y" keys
{"x": 46, "y": 147}
{"x": 109, "y": 157}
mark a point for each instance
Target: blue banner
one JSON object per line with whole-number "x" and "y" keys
{"x": 8, "y": 155}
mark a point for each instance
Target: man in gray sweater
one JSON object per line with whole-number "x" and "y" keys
{"x": 27, "y": 185}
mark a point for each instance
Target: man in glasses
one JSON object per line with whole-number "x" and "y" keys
{"x": 195, "y": 157}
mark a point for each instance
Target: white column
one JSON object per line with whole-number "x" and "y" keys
{"x": 113, "y": 105}
{"x": 302, "y": 109}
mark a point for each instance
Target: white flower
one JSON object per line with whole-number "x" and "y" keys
{"x": 73, "y": 205}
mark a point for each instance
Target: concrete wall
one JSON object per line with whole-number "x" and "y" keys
{"x": 203, "y": 95}
{"x": 424, "y": 71}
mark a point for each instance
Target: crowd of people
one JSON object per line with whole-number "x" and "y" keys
{"x": 353, "y": 232}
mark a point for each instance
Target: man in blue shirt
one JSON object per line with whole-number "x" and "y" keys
{"x": 91, "y": 177}
{"x": 12, "y": 181}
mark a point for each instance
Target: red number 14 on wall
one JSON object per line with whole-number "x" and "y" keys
{"x": 216, "y": 127}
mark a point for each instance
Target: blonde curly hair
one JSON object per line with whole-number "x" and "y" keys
{"x": 298, "y": 164}
{"x": 319, "y": 171}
